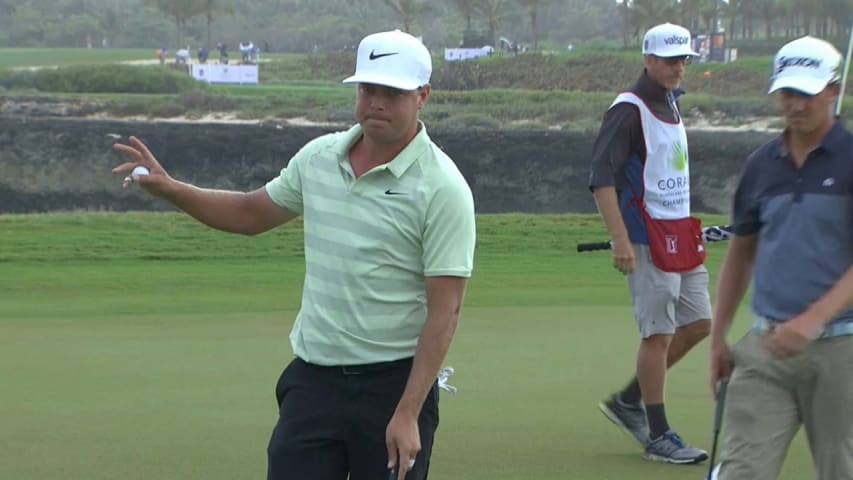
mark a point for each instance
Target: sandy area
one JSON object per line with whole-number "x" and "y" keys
{"x": 221, "y": 118}
{"x": 768, "y": 124}
{"x": 746, "y": 125}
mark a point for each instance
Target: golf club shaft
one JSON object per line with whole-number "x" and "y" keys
{"x": 844, "y": 73}
{"x": 709, "y": 234}
{"x": 719, "y": 405}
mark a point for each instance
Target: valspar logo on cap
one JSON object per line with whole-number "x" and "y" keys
{"x": 668, "y": 40}
{"x": 807, "y": 64}
{"x": 674, "y": 40}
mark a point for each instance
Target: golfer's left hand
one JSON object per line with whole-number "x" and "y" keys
{"x": 789, "y": 338}
{"x": 403, "y": 440}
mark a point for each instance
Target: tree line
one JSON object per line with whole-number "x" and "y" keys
{"x": 334, "y": 25}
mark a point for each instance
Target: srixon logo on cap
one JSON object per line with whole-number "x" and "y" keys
{"x": 805, "y": 62}
{"x": 676, "y": 40}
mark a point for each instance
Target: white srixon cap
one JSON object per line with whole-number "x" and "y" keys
{"x": 393, "y": 59}
{"x": 668, "y": 40}
{"x": 807, "y": 64}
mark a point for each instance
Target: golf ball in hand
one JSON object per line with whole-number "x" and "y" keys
{"x": 138, "y": 172}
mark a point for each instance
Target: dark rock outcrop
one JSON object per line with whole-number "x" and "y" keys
{"x": 50, "y": 164}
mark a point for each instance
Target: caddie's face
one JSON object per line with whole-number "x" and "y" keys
{"x": 667, "y": 72}
{"x": 388, "y": 115}
{"x": 807, "y": 114}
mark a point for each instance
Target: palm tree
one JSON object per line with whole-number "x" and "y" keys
{"x": 211, "y": 9}
{"x": 838, "y": 14}
{"x": 625, "y": 13}
{"x": 408, "y": 10}
{"x": 181, "y": 10}
{"x": 710, "y": 12}
{"x": 532, "y": 7}
{"x": 648, "y": 13}
{"x": 689, "y": 13}
{"x": 493, "y": 11}
{"x": 466, "y": 8}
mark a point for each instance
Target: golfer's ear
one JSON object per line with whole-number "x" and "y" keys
{"x": 835, "y": 88}
{"x": 423, "y": 95}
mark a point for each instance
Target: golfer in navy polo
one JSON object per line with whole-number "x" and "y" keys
{"x": 793, "y": 225}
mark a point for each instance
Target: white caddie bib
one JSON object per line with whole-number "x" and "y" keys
{"x": 666, "y": 170}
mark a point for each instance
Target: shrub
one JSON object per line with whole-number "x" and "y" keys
{"x": 101, "y": 79}
{"x": 466, "y": 122}
{"x": 202, "y": 100}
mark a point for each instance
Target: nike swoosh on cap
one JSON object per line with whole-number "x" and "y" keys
{"x": 391, "y": 192}
{"x": 374, "y": 55}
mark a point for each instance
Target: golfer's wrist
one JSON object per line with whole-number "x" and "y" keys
{"x": 718, "y": 337}
{"x": 620, "y": 239}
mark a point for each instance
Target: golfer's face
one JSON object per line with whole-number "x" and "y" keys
{"x": 668, "y": 72}
{"x": 805, "y": 113}
{"x": 388, "y": 114}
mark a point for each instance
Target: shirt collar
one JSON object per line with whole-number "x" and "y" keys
{"x": 399, "y": 164}
{"x": 833, "y": 142}
{"x": 651, "y": 90}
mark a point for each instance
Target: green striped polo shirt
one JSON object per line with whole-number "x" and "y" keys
{"x": 369, "y": 244}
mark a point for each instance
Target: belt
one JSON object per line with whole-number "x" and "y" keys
{"x": 764, "y": 324}
{"x": 362, "y": 369}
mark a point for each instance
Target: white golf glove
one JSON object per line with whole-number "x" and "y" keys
{"x": 443, "y": 375}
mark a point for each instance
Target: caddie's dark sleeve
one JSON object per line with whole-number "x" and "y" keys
{"x": 619, "y": 137}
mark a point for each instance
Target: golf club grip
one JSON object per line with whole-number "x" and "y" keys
{"x": 719, "y": 403}
{"x": 589, "y": 247}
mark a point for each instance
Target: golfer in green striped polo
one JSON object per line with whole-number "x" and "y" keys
{"x": 389, "y": 246}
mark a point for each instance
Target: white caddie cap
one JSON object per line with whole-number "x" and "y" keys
{"x": 807, "y": 64}
{"x": 393, "y": 59}
{"x": 668, "y": 40}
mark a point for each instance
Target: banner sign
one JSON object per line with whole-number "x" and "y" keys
{"x": 455, "y": 54}
{"x": 219, "y": 73}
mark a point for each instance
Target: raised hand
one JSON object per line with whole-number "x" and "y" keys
{"x": 139, "y": 155}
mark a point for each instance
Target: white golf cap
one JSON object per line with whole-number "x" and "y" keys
{"x": 807, "y": 64}
{"x": 394, "y": 59}
{"x": 668, "y": 40}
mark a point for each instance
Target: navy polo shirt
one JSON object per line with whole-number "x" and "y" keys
{"x": 804, "y": 221}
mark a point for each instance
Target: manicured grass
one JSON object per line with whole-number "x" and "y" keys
{"x": 145, "y": 346}
{"x": 32, "y": 57}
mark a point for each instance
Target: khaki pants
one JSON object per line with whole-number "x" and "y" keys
{"x": 768, "y": 399}
{"x": 665, "y": 301}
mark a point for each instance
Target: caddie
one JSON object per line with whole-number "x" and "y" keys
{"x": 641, "y": 182}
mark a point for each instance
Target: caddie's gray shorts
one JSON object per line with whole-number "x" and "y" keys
{"x": 769, "y": 398}
{"x": 665, "y": 301}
